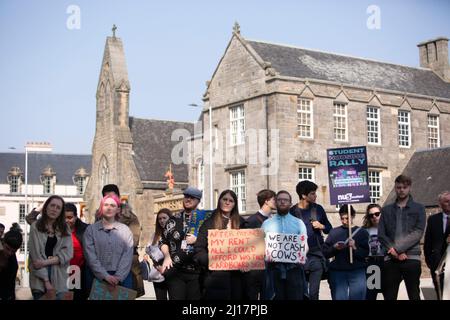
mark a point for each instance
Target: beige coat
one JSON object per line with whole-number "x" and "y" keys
{"x": 63, "y": 250}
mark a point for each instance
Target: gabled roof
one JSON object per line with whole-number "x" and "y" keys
{"x": 65, "y": 166}
{"x": 430, "y": 174}
{"x": 153, "y": 145}
{"x": 305, "y": 63}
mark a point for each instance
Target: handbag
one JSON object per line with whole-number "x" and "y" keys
{"x": 154, "y": 275}
{"x": 155, "y": 254}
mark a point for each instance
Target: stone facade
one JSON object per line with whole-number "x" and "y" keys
{"x": 270, "y": 98}
{"x": 122, "y": 151}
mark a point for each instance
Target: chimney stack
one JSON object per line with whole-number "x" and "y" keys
{"x": 434, "y": 55}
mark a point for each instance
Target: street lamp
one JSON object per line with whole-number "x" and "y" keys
{"x": 30, "y": 147}
{"x": 210, "y": 156}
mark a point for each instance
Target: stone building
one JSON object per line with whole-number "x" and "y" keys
{"x": 63, "y": 174}
{"x": 133, "y": 153}
{"x": 429, "y": 170}
{"x": 277, "y": 108}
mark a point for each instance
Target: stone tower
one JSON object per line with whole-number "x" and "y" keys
{"x": 112, "y": 150}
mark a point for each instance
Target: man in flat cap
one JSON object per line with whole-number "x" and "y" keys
{"x": 179, "y": 269}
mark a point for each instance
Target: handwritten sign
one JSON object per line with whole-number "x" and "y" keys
{"x": 51, "y": 295}
{"x": 103, "y": 291}
{"x": 287, "y": 248}
{"x": 236, "y": 249}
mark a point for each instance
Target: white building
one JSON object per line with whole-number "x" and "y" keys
{"x": 61, "y": 174}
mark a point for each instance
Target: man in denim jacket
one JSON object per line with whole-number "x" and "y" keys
{"x": 401, "y": 227}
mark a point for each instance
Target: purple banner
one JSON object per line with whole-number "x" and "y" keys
{"x": 348, "y": 175}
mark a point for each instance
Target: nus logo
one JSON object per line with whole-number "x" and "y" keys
{"x": 347, "y": 196}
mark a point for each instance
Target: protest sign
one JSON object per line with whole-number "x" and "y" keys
{"x": 197, "y": 219}
{"x": 286, "y": 248}
{"x": 241, "y": 249}
{"x": 103, "y": 291}
{"x": 348, "y": 175}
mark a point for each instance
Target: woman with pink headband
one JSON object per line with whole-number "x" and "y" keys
{"x": 108, "y": 246}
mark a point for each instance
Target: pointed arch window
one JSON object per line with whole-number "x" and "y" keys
{"x": 104, "y": 171}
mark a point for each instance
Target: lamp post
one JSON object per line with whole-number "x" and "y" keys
{"x": 211, "y": 189}
{"x": 30, "y": 147}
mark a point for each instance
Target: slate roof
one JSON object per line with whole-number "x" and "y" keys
{"x": 430, "y": 174}
{"x": 152, "y": 148}
{"x": 305, "y": 63}
{"x": 64, "y": 165}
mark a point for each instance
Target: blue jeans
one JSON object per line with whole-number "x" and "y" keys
{"x": 348, "y": 285}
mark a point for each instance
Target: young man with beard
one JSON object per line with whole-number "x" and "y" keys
{"x": 400, "y": 229}
{"x": 284, "y": 281}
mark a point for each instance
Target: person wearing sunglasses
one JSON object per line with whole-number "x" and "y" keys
{"x": 376, "y": 254}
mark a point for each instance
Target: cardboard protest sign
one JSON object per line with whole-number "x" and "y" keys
{"x": 103, "y": 291}
{"x": 51, "y": 295}
{"x": 236, "y": 249}
{"x": 286, "y": 248}
{"x": 348, "y": 175}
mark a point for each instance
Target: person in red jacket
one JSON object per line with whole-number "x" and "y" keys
{"x": 77, "y": 227}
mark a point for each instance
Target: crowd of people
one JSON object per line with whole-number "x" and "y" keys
{"x": 177, "y": 258}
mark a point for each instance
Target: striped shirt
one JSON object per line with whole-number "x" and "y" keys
{"x": 108, "y": 249}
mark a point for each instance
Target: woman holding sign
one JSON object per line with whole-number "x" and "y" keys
{"x": 223, "y": 284}
{"x": 108, "y": 246}
{"x": 347, "y": 280}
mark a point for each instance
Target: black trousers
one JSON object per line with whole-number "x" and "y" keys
{"x": 182, "y": 285}
{"x": 285, "y": 285}
{"x": 254, "y": 284}
{"x": 161, "y": 290}
{"x": 372, "y": 294}
{"x": 394, "y": 272}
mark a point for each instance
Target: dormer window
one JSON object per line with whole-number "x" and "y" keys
{"x": 15, "y": 177}
{"x": 80, "y": 180}
{"x": 48, "y": 180}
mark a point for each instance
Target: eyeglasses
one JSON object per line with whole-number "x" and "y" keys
{"x": 283, "y": 200}
{"x": 376, "y": 214}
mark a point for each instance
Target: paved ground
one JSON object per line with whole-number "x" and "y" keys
{"x": 425, "y": 284}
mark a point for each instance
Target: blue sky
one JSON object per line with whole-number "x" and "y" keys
{"x": 49, "y": 73}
